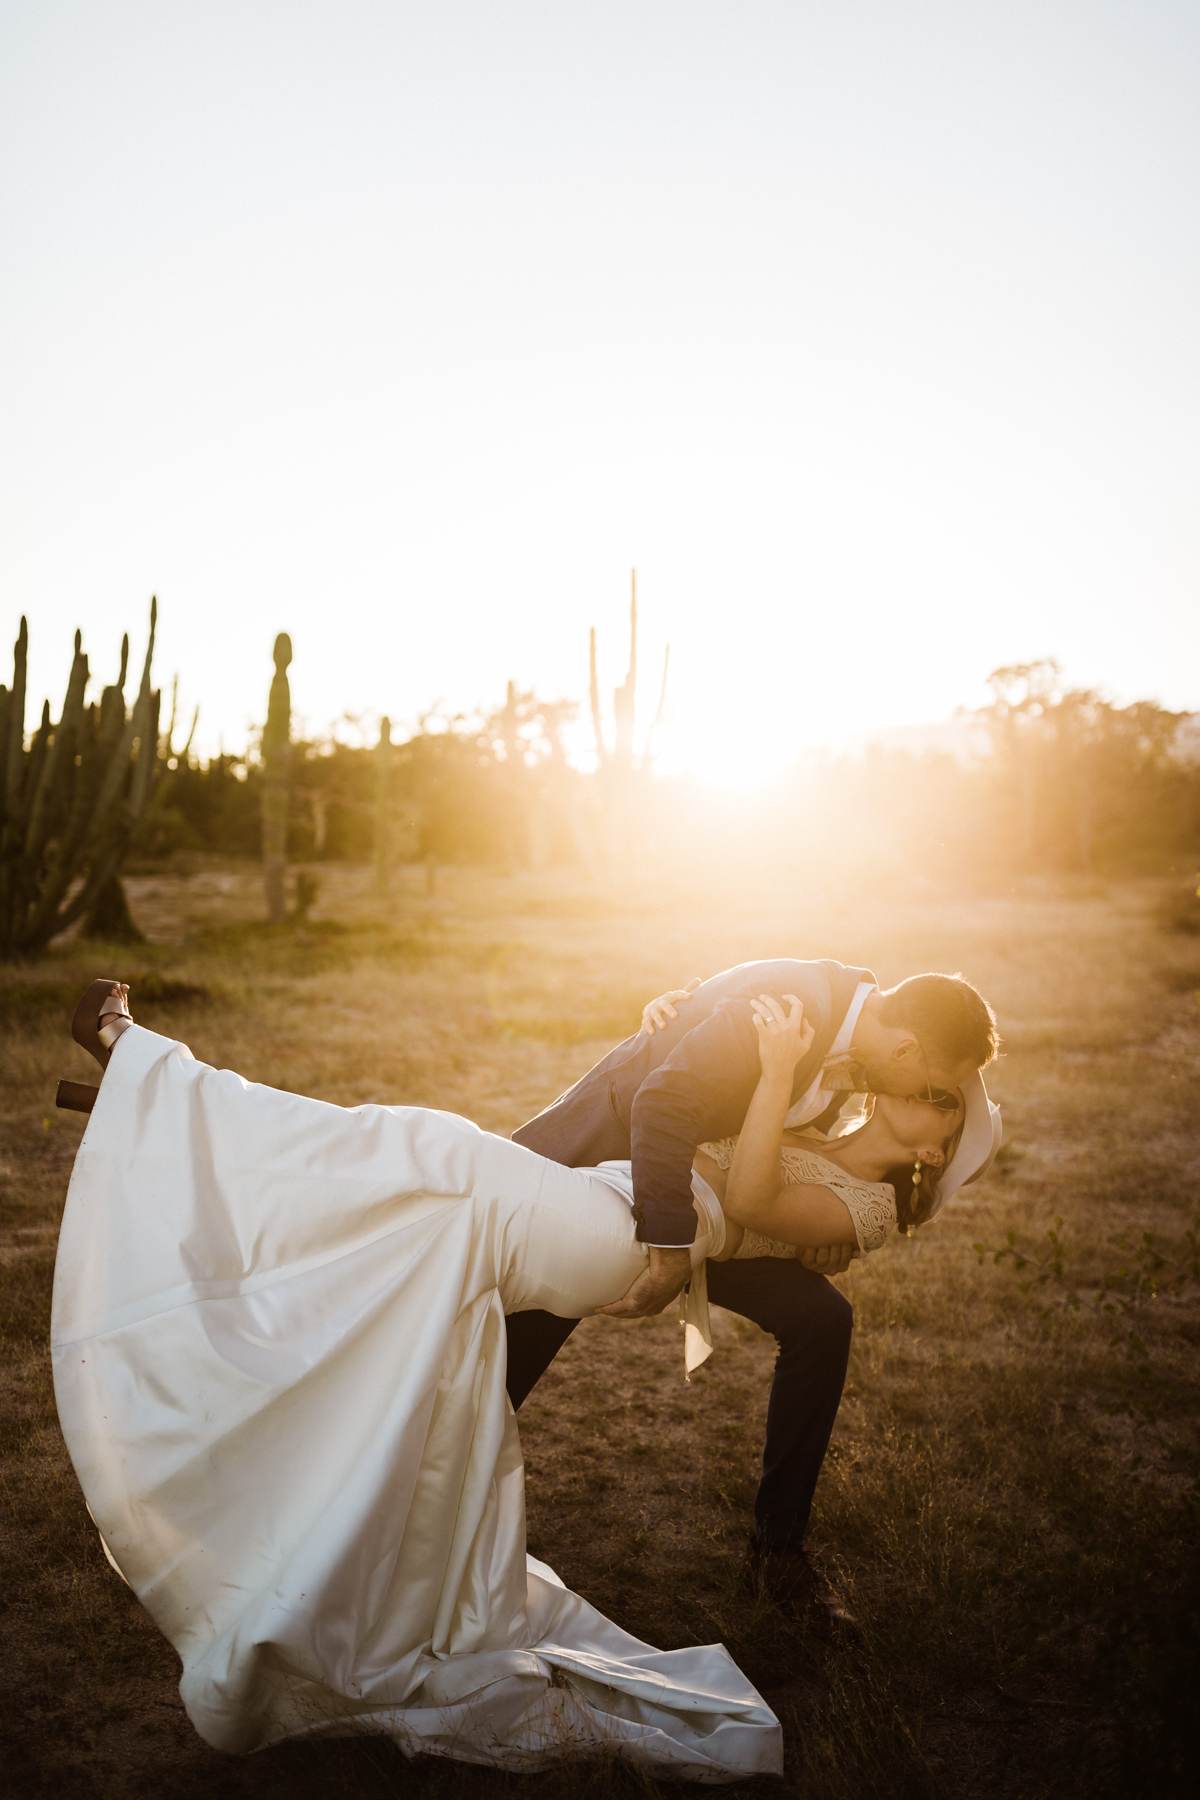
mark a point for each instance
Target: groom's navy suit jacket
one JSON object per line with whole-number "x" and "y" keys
{"x": 658, "y": 1095}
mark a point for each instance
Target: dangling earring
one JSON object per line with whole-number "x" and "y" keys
{"x": 917, "y": 1176}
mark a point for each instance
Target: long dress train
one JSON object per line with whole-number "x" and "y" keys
{"x": 279, "y": 1362}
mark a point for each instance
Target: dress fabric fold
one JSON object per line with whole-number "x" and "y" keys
{"x": 279, "y": 1361}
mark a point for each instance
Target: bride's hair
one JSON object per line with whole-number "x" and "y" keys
{"x": 914, "y": 1204}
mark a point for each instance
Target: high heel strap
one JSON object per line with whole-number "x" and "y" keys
{"x": 108, "y": 1034}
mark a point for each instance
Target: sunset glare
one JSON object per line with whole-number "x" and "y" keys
{"x": 867, "y": 337}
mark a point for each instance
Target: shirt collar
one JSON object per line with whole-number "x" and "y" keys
{"x": 841, "y": 1043}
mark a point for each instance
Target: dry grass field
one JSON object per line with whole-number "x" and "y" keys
{"x": 1011, "y": 1495}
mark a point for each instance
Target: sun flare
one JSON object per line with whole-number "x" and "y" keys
{"x": 736, "y": 755}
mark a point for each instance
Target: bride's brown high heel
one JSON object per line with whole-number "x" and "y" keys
{"x": 87, "y": 1024}
{"x": 103, "y": 1000}
{"x": 75, "y": 1096}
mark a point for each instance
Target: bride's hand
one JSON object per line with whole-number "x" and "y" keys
{"x": 657, "y": 1013}
{"x": 783, "y": 1037}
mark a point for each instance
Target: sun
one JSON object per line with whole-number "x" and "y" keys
{"x": 733, "y": 752}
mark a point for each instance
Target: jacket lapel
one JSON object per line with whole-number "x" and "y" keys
{"x": 843, "y": 985}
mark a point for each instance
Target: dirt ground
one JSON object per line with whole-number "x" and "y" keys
{"x": 1010, "y": 1500}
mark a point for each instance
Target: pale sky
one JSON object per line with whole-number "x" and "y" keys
{"x": 867, "y": 332}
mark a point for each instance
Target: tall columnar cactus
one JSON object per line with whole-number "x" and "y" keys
{"x": 517, "y": 780}
{"x": 594, "y": 701}
{"x": 383, "y": 809}
{"x": 619, "y": 760}
{"x": 276, "y": 753}
{"x": 620, "y": 787}
{"x": 625, "y": 697}
{"x": 71, "y": 799}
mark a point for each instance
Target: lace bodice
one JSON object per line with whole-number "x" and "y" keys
{"x": 871, "y": 1204}
{"x": 872, "y": 1207}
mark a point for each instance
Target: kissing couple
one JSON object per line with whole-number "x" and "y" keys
{"x": 290, "y": 1339}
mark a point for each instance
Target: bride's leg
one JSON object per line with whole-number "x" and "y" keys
{"x": 283, "y": 1176}
{"x": 288, "y": 1176}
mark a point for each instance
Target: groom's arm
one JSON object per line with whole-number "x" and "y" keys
{"x": 701, "y": 1091}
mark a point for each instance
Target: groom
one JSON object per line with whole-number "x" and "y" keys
{"x": 660, "y": 1094}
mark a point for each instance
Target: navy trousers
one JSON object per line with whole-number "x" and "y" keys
{"x": 811, "y": 1323}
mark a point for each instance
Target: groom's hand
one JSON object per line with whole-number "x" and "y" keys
{"x": 655, "y": 1287}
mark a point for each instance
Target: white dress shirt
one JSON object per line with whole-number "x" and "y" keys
{"x": 819, "y": 1093}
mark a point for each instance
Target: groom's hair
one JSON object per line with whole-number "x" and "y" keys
{"x": 951, "y": 1019}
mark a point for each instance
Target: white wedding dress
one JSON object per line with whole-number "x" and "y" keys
{"x": 279, "y": 1361}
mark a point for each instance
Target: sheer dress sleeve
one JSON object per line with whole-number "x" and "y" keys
{"x": 871, "y": 1204}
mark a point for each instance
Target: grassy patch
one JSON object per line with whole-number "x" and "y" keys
{"x": 1011, "y": 1496}
{"x": 308, "y": 947}
{"x": 1179, "y": 908}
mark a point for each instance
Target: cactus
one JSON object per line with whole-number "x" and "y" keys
{"x": 517, "y": 780}
{"x": 70, "y": 802}
{"x": 276, "y": 755}
{"x": 621, "y": 773}
{"x": 108, "y": 915}
{"x": 620, "y": 760}
{"x": 625, "y": 697}
{"x": 594, "y": 700}
{"x": 383, "y": 809}
{"x": 660, "y": 712}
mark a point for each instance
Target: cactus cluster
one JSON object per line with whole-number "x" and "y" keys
{"x": 70, "y": 798}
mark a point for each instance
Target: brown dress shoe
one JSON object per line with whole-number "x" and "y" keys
{"x": 798, "y": 1589}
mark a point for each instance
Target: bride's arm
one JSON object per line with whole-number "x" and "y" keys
{"x": 802, "y": 1213}
{"x": 753, "y": 1181}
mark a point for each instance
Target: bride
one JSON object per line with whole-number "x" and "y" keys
{"x": 279, "y": 1362}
